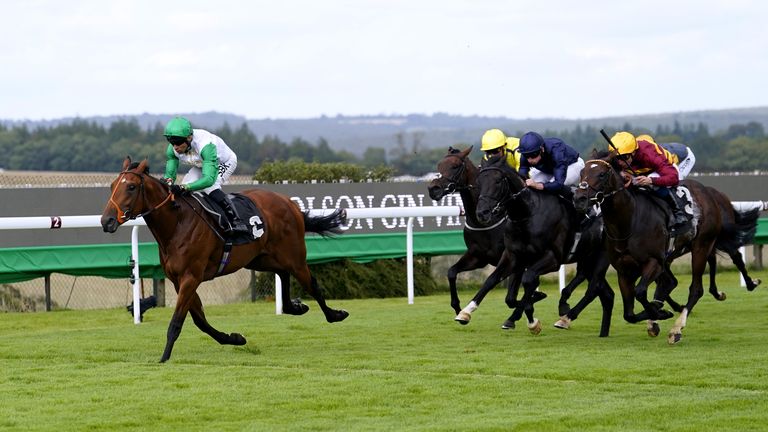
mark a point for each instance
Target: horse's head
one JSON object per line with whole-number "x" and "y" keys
{"x": 498, "y": 184}
{"x": 599, "y": 180}
{"x": 453, "y": 174}
{"x": 129, "y": 197}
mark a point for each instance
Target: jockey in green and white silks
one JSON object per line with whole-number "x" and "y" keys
{"x": 212, "y": 161}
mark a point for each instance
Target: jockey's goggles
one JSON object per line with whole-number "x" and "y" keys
{"x": 176, "y": 140}
{"x": 532, "y": 155}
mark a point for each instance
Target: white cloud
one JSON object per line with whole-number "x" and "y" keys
{"x": 307, "y": 58}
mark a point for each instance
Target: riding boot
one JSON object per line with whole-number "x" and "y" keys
{"x": 236, "y": 224}
{"x": 681, "y": 223}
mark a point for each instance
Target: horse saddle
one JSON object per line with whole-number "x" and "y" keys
{"x": 245, "y": 208}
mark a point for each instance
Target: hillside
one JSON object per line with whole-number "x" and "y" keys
{"x": 356, "y": 133}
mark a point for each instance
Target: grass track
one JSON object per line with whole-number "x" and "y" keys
{"x": 390, "y": 366}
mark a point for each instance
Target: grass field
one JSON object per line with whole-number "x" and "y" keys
{"x": 390, "y": 366}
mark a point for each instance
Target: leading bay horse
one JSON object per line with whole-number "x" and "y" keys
{"x": 539, "y": 236}
{"x": 192, "y": 251}
{"x": 484, "y": 243}
{"x": 638, "y": 239}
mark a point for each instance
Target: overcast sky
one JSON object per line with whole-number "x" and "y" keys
{"x": 300, "y": 59}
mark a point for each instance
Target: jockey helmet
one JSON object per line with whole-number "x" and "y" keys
{"x": 531, "y": 142}
{"x": 178, "y": 127}
{"x": 646, "y": 137}
{"x": 493, "y": 139}
{"x": 513, "y": 143}
{"x": 625, "y": 143}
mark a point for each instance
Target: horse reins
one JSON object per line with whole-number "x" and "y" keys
{"x": 508, "y": 195}
{"x": 123, "y": 216}
{"x": 600, "y": 196}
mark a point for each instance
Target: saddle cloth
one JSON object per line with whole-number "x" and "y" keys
{"x": 245, "y": 208}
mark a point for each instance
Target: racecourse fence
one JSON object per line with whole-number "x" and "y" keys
{"x": 35, "y": 194}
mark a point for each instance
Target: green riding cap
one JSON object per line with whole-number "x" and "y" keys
{"x": 179, "y": 127}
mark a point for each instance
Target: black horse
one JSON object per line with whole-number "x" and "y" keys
{"x": 639, "y": 243}
{"x": 540, "y": 235}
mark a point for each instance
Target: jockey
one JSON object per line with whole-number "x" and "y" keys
{"x": 494, "y": 141}
{"x": 651, "y": 167}
{"x": 682, "y": 154}
{"x": 552, "y": 165}
{"x": 212, "y": 163}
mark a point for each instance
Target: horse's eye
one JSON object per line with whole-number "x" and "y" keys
{"x": 131, "y": 187}
{"x": 602, "y": 175}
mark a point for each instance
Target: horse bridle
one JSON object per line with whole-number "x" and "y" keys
{"x": 123, "y": 216}
{"x": 600, "y": 194}
{"x": 506, "y": 193}
{"x": 452, "y": 186}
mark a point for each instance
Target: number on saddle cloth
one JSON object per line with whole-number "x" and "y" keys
{"x": 247, "y": 210}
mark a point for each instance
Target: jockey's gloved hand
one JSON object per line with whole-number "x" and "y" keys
{"x": 168, "y": 181}
{"x": 179, "y": 190}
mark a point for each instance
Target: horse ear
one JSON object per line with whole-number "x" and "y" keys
{"x": 143, "y": 166}
{"x": 467, "y": 151}
{"x": 126, "y": 163}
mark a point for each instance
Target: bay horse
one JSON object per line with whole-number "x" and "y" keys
{"x": 539, "y": 236}
{"x": 192, "y": 251}
{"x": 484, "y": 243}
{"x": 639, "y": 243}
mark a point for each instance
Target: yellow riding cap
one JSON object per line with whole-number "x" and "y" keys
{"x": 492, "y": 139}
{"x": 645, "y": 137}
{"x": 625, "y": 142}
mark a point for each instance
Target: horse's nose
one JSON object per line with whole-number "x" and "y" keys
{"x": 435, "y": 192}
{"x": 109, "y": 224}
{"x": 580, "y": 203}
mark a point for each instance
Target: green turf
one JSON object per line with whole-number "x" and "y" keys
{"x": 390, "y": 366}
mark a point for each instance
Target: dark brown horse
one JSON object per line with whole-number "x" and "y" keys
{"x": 539, "y": 236}
{"x": 192, "y": 251}
{"x": 484, "y": 243}
{"x": 639, "y": 243}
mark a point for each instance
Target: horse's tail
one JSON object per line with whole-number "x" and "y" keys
{"x": 327, "y": 225}
{"x": 740, "y": 232}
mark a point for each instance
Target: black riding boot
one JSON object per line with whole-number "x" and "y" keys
{"x": 229, "y": 209}
{"x": 681, "y": 223}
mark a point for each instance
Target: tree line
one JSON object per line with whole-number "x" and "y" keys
{"x": 86, "y": 146}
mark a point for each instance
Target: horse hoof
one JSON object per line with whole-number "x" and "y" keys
{"x": 654, "y": 330}
{"x": 535, "y": 326}
{"x": 563, "y": 323}
{"x": 336, "y": 316}
{"x": 674, "y": 338}
{"x": 508, "y": 325}
{"x": 755, "y": 283}
{"x": 236, "y": 339}
{"x": 463, "y": 318}
{"x": 721, "y": 296}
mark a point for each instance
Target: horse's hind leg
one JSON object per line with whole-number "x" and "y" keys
{"x": 310, "y": 285}
{"x": 198, "y": 316}
{"x": 290, "y": 306}
{"x": 738, "y": 260}
{"x": 712, "y": 261}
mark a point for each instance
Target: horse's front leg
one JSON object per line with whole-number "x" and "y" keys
{"x": 198, "y": 316}
{"x": 185, "y": 288}
{"x": 503, "y": 269}
{"x": 465, "y": 263}
{"x": 650, "y": 273}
